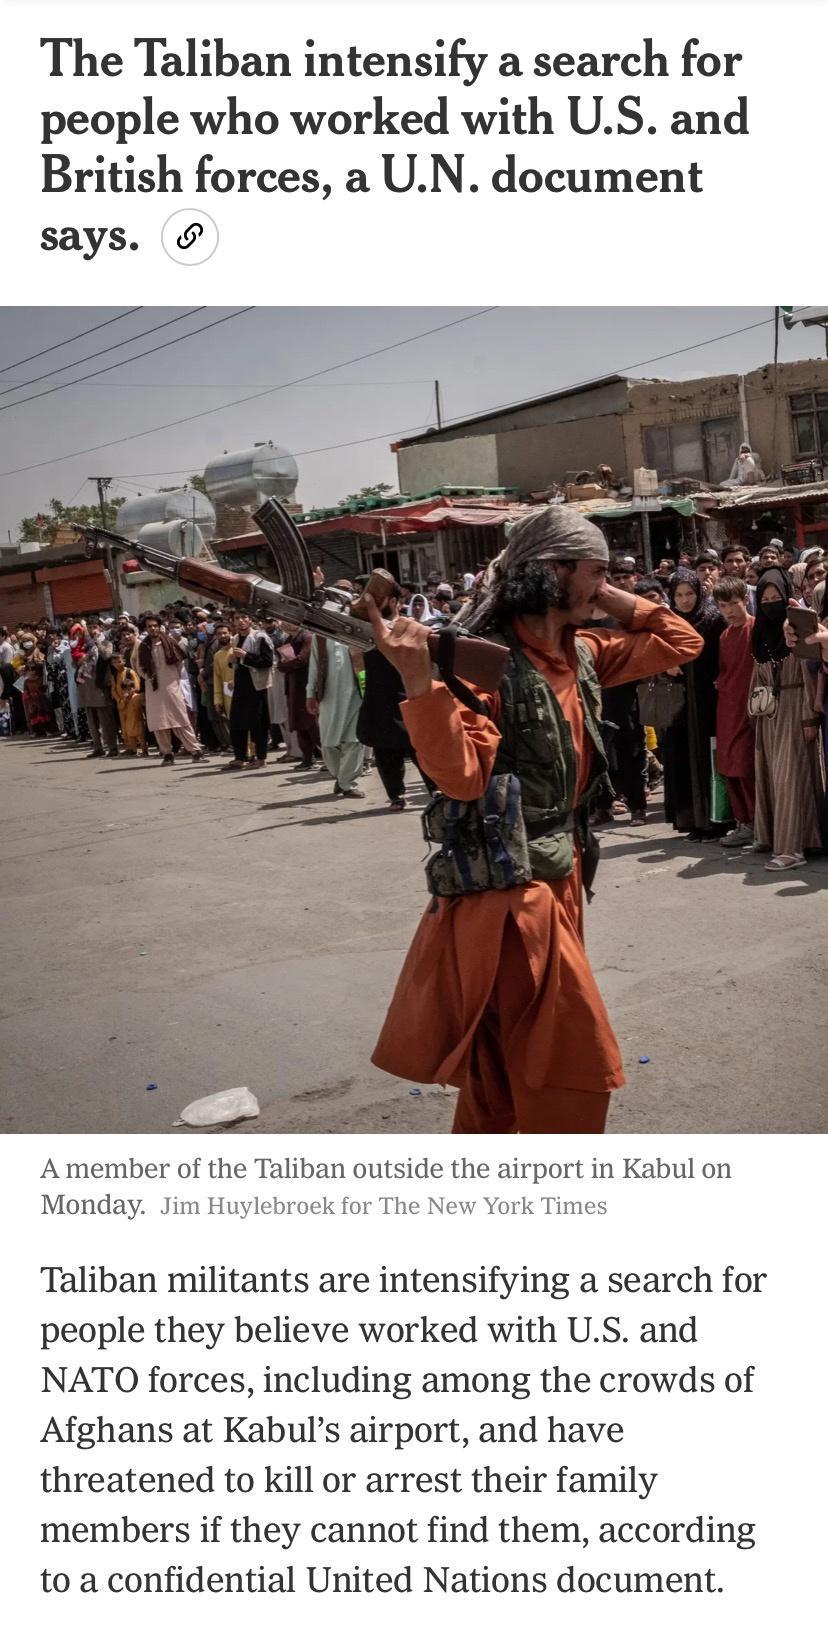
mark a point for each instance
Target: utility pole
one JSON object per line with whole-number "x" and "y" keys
{"x": 103, "y": 482}
{"x": 776, "y": 315}
{"x": 437, "y": 403}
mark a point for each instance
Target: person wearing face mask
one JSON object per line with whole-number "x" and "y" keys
{"x": 56, "y": 685}
{"x": 276, "y": 694}
{"x": 818, "y": 666}
{"x": 735, "y": 743}
{"x": 790, "y": 769}
{"x": 198, "y": 632}
{"x": 222, "y": 673}
{"x": 685, "y": 747}
{"x": 208, "y": 648}
{"x": 178, "y": 633}
{"x": 94, "y": 680}
{"x": 72, "y": 654}
{"x": 40, "y": 718}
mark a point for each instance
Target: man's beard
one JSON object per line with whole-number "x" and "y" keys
{"x": 532, "y": 588}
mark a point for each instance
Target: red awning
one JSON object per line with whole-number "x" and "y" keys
{"x": 410, "y": 519}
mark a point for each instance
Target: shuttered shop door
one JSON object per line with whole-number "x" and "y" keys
{"x": 75, "y": 593}
{"x": 20, "y": 603}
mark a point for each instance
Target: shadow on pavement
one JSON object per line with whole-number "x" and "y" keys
{"x": 658, "y": 846}
{"x": 340, "y": 817}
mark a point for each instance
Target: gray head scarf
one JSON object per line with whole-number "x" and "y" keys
{"x": 555, "y": 532}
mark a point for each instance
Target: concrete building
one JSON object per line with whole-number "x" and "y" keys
{"x": 687, "y": 430}
{"x": 54, "y": 582}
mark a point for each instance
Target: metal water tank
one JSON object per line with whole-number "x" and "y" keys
{"x": 158, "y": 507}
{"x": 177, "y": 536}
{"x": 245, "y": 479}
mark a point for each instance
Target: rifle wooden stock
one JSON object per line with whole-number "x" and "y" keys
{"x": 227, "y": 584}
{"x": 476, "y": 661}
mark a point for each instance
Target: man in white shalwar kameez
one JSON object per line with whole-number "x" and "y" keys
{"x": 334, "y": 696}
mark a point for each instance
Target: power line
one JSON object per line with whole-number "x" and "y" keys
{"x": 107, "y": 349}
{"x": 528, "y": 400}
{"x": 75, "y": 336}
{"x": 70, "y": 382}
{"x": 210, "y": 411}
{"x": 346, "y": 383}
{"x": 583, "y": 383}
{"x": 78, "y": 492}
{"x": 343, "y": 445}
{"x": 413, "y": 429}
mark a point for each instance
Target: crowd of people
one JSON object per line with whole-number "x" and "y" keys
{"x": 742, "y": 730}
{"x": 738, "y": 736}
{"x": 205, "y": 683}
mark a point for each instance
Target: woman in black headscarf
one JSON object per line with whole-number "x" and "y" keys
{"x": 685, "y": 748}
{"x": 790, "y": 769}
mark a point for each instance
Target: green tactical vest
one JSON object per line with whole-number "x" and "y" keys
{"x": 536, "y": 745}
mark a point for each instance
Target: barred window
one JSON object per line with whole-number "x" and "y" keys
{"x": 809, "y": 416}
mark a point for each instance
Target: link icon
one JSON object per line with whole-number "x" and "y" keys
{"x": 189, "y": 236}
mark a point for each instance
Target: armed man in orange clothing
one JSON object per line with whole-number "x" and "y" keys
{"x": 496, "y": 996}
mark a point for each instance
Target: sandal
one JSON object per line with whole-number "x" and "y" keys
{"x": 784, "y": 861}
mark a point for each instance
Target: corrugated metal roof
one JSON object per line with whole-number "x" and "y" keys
{"x": 773, "y": 496}
{"x": 598, "y": 508}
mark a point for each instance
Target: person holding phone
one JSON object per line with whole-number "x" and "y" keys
{"x": 735, "y": 744}
{"x": 790, "y": 767}
{"x": 685, "y": 747}
{"x": 816, "y": 643}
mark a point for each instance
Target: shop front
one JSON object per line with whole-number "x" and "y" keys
{"x": 413, "y": 540}
{"x": 796, "y": 514}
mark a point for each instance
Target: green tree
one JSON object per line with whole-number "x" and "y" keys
{"x": 45, "y": 525}
{"x": 367, "y": 492}
{"x": 194, "y": 483}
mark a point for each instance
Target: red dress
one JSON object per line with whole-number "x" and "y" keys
{"x": 735, "y": 740}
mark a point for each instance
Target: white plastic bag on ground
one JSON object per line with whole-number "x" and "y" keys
{"x": 228, "y": 1106}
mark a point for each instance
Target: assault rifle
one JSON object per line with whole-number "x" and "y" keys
{"x": 292, "y": 596}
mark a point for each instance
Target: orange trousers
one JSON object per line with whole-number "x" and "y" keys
{"x": 493, "y": 1103}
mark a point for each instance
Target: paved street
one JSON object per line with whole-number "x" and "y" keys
{"x": 197, "y": 930}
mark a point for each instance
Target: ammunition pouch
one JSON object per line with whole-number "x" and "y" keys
{"x": 483, "y": 845}
{"x": 487, "y": 845}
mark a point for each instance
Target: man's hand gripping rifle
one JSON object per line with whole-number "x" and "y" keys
{"x": 291, "y": 595}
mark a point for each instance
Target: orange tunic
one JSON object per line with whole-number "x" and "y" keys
{"x": 515, "y": 958}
